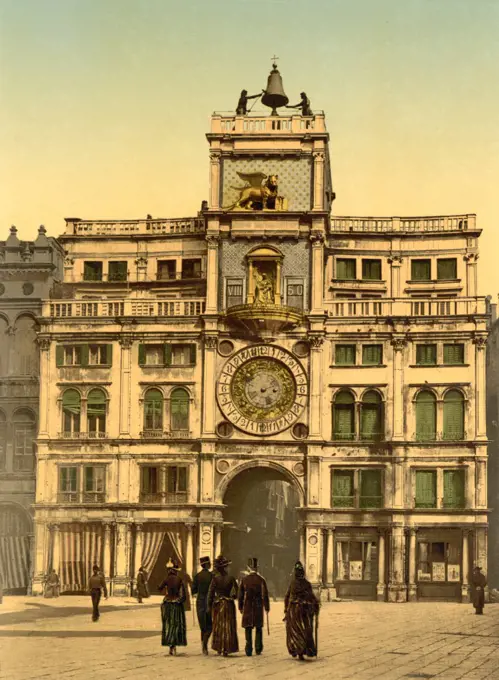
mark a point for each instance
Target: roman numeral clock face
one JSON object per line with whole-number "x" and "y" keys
{"x": 262, "y": 390}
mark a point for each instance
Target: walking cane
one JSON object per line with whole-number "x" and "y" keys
{"x": 268, "y": 627}
{"x": 317, "y": 633}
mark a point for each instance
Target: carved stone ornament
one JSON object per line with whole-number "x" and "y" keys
{"x": 262, "y": 390}
{"x": 141, "y": 262}
{"x": 471, "y": 257}
{"x": 126, "y": 341}
{"x": 317, "y": 238}
{"x": 210, "y": 342}
{"x": 44, "y": 343}
{"x": 69, "y": 261}
{"x": 398, "y": 344}
{"x": 480, "y": 341}
{"x": 316, "y": 341}
{"x": 11, "y": 330}
{"x": 396, "y": 260}
{"x": 212, "y": 240}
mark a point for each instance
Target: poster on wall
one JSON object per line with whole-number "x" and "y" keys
{"x": 423, "y": 575}
{"x": 438, "y": 571}
{"x": 356, "y": 571}
{"x": 454, "y": 572}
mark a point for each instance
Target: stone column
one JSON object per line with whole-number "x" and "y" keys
{"x": 397, "y": 591}
{"x": 317, "y": 276}
{"x": 56, "y": 548}
{"x": 313, "y": 566}
{"x": 315, "y": 385}
{"x": 189, "y": 550}
{"x": 398, "y": 483}
{"x": 465, "y": 585}
{"x": 397, "y": 424}
{"x": 302, "y": 534}
{"x": 124, "y": 462}
{"x": 218, "y": 540}
{"x": 277, "y": 292}
{"x": 318, "y": 180}
{"x": 212, "y": 274}
{"x": 412, "y": 592}
{"x": 214, "y": 181}
{"x": 206, "y": 457}
{"x": 205, "y": 539}
{"x": 45, "y": 385}
{"x": 126, "y": 342}
{"x": 106, "y": 550}
{"x": 209, "y": 401}
{"x": 481, "y": 483}
{"x": 471, "y": 274}
{"x": 121, "y": 580}
{"x": 40, "y": 562}
{"x": 381, "y": 585}
{"x": 250, "y": 293}
{"x": 480, "y": 408}
{"x": 330, "y": 557}
{"x": 396, "y": 264}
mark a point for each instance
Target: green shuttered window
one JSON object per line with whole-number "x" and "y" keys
{"x": 421, "y": 270}
{"x": 447, "y": 268}
{"x": 153, "y": 410}
{"x": 372, "y": 355}
{"x": 344, "y": 416}
{"x": 453, "y": 415}
{"x": 343, "y": 489}
{"x": 426, "y": 355}
{"x": 344, "y": 355}
{"x": 371, "y": 416}
{"x": 179, "y": 409}
{"x": 167, "y": 354}
{"x": 426, "y": 416}
{"x": 371, "y": 270}
{"x": 454, "y": 354}
{"x": 426, "y": 489}
{"x": 85, "y": 355}
{"x": 371, "y": 494}
{"x": 345, "y": 269}
{"x": 454, "y": 485}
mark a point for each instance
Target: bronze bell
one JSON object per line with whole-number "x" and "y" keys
{"x": 274, "y": 94}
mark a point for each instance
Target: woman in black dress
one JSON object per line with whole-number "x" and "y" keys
{"x": 174, "y": 632}
{"x": 300, "y": 606}
{"x": 221, "y": 596}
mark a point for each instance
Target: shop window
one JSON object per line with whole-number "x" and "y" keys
{"x": 153, "y": 411}
{"x": 356, "y": 560}
{"x": 426, "y": 355}
{"x": 94, "y": 490}
{"x": 426, "y": 416}
{"x": 345, "y": 269}
{"x": 234, "y": 292}
{"x": 439, "y": 562}
{"x": 371, "y": 270}
{"x": 176, "y": 483}
{"x": 344, "y": 355}
{"x": 191, "y": 269}
{"x": 23, "y": 423}
{"x": 68, "y": 484}
{"x": 372, "y": 355}
{"x": 421, "y": 270}
{"x": 96, "y": 413}
{"x": 92, "y": 271}
{"x": 344, "y": 416}
{"x": 343, "y": 489}
{"x": 453, "y": 415}
{"x": 447, "y": 269}
{"x": 118, "y": 271}
{"x": 454, "y": 489}
{"x": 371, "y": 489}
{"x": 100, "y": 355}
{"x": 167, "y": 269}
{"x": 71, "y": 413}
{"x": 371, "y": 416}
{"x": 179, "y": 410}
{"x": 454, "y": 354}
{"x": 426, "y": 489}
{"x": 149, "y": 484}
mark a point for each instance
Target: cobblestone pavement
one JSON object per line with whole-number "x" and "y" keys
{"x": 362, "y": 640}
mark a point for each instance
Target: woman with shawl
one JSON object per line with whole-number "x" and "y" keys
{"x": 300, "y": 606}
{"x": 221, "y": 595}
{"x": 174, "y": 631}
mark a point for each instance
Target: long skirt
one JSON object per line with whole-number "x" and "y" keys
{"x": 174, "y": 631}
{"x": 224, "y": 640}
{"x": 299, "y": 630}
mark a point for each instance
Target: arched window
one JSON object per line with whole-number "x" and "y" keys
{"x": 3, "y": 442}
{"x": 179, "y": 410}
{"x": 96, "y": 413}
{"x": 426, "y": 416}
{"x": 71, "y": 413}
{"x": 24, "y": 440}
{"x": 453, "y": 415}
{"x": 371, "y": 416}
{"x": 344, "y": 416}
{"x": 153, "y": 411}
{"x": 26, "y": 353}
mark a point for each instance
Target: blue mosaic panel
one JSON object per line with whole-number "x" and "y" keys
{"x": 295, "y": 179}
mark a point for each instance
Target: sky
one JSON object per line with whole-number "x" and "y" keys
{"x": 104, "y": 104}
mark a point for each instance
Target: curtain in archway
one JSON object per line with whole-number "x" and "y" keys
{"x": 152, "y": 540}
{"x": 176, "y": 541}
{"x": 80, "y": 549}
{"x": 14, "y": 561}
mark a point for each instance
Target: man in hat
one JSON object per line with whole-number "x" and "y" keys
{"x": 142, "y": 586}
{"x": 96, "y": 585}
{"x": 253, "y": 598}
{"x": 200, "y": 587}
{"x": 478, "y": 583}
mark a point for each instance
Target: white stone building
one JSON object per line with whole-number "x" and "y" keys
{"x": 267, "y": 339}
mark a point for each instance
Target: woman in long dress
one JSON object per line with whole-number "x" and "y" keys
{"x": 300, "y": 607}
{"x": 174, "y": 632}
{"x": 221, "y": 595}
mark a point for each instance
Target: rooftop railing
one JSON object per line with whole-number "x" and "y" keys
{"x": 404, "y": 224}
{"x": 63, "y": 309}
{"x": 258, "y": 123}
{"x": 174, "y": 227}
{"x": 390, "y": 307}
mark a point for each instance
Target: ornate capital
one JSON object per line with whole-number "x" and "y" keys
{"x": 11, "y": 330}
{"x": 318, "y": 156}
{"x": 215, "y": 156}
{"x": 316, "y": 341}
{"x": 470, "y": 257}
{"x": 141, "y": 262}
{"x": 395, "y": 260}
{"x": 126, "y": 341}
{"x": 480, "y": 341}
{"x": 43, "y": 343}
{"x": 138, "y": 527}
{"x": 317, "y": 238}
{"x": 210, "y": 342}
{"x": 54, "y": 527}
{"x": 69, "y": 261}
{"x": 398, "y": 344}
{"x": 212, "y": 240}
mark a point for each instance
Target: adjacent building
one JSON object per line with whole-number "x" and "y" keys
{"x": 28, "y": 271}
{"x": 267, "y": 340}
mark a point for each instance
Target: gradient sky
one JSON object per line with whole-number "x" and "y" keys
{"x": 104, "y": 104}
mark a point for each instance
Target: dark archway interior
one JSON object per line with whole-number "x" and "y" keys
{"x": 261, "y": 521}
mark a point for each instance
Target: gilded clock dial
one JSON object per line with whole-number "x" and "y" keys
{"x": 263, "y": 389}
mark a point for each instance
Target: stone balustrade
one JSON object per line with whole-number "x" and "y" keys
{"x": 404, "y": 224}
{"x": 229, "y": 123}
{"x": 61, "y": 309}
{"x": 172, "y": 227}
{"x": 402, "y": 307}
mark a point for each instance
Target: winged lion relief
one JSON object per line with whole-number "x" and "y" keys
{"x": 259, "y": 193}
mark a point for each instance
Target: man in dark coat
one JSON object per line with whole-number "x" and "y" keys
{"x": 142, "y": 586}
{"x": 200, "y": 587}
{"x": 478, "y": 583}
{"x": 96, "y": 585}
{"x": 253, "y": 598}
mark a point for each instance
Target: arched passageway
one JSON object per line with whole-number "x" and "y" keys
{"x": 261, "y": 520}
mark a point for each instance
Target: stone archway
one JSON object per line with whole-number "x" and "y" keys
{"x": 261, "y": 520}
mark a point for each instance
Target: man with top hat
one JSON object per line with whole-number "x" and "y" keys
{"x": 200, "y": 586}
{"x": 221, "y": 595}
{"x": 253, "y": 598}
{"x": 478, "y": 583}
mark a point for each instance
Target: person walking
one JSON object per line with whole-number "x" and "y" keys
{"x": 52, "y": 585}
{"x": 174, "y": 628}
{"x": 300, "y": 607}
{"x": 253, "y": 599}
{"x": 142, "y": 585}
{"x": 221, "y": 595}
{"x": 97, "y": 586}
{"x": 200, "y": 586}
{"x": 478, "y": 583}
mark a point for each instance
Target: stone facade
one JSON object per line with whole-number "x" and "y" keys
{"x": 341, "y": 355}
{"x": 28, "y": 271}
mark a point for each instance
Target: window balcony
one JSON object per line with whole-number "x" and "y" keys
{"x": 179, "y": 434}
{"x": 85, "y": 497}
{"x": 152, "y": 434}
{"x": 83, "y": 435}
{"x": 163, "y": 498}
{"x": 264, "y": 319}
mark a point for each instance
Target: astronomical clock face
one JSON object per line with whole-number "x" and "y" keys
{"x": 262, "y": 390}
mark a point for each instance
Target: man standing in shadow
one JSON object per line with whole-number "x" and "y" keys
{"x": 253, "y": 599}
{"x": 97, "y": 585}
